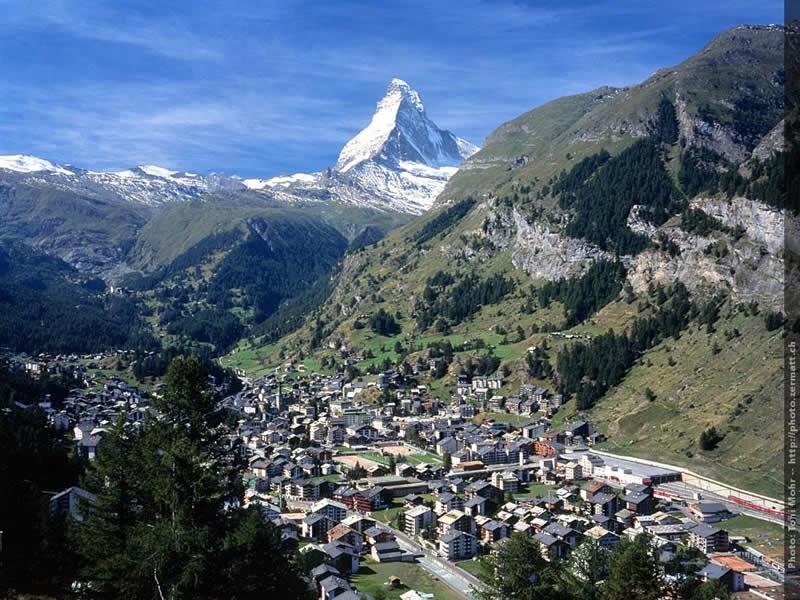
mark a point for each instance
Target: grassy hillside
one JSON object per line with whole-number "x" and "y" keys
{"x": 176, "y": 228}
{"x": 703, "y": 380}
{"x": 237, "y": 273}
{"x": 538, "y": 144}
{"x": 90, "y": 233}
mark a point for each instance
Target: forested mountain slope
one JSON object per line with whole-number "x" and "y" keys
{"x": 588, "y": 239}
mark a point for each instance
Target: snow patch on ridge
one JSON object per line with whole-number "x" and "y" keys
{"x": 22, "y": 163}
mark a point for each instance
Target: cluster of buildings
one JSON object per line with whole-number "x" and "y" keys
{"x": 349, "y": 470}
{"x": 307, "y": 439}
{"x": 98, "y": 398}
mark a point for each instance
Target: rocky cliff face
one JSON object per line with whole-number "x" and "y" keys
{"x": 700, "y": 133}
{"x": 749, "y": 267}
{"x": 536, "y": 246}
{"x": 745, "y": 268}
{"x": 762, "y": 224}
{"x": 544, "y": 253}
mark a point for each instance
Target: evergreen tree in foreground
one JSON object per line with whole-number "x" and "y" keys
{"x": 517, "y": 572}
{"x": 635, "y": 573}
{"x": 168, "y": 521}
{"x": 630, "y": 571}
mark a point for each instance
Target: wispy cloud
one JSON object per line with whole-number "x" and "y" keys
{"x": 259, "y": 88}
{"x": 167, "y": 36}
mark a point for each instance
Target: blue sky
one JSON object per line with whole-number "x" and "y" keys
{"x": 272, "y": 87}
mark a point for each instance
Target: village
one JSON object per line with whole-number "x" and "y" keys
{"x": 391, "y": 492}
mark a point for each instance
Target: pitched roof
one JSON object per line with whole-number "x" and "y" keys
{"x": 341, "y": 530}
{"x": 545, "y": 538}
{"x": 704, "y": 530}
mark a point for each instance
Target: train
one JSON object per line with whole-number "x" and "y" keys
{"x": 772, "y": 511}
{"x": 753, "y": 506}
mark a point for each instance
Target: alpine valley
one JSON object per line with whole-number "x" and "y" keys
{"x": 623, "y": 248}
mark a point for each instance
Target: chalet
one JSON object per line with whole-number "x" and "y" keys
{"x": 367, "y": 432}
{"x": 533, "y": 431}
{"x": 412, "y": 500}
{"x": 589, "y": 463}
{"x": 493, "y": 531}
{"x": 316, "y": 526}
{"x": 497, "y": 403}
{"x": 448, "y": 445}
{"x": 378, "y": 534}
{"x": 573, "y": 471}
{"x": 639, "y": 502}
{"x": 477, "y": 505}
{"x": 457, "y": 545}
{"x": 552, "y": 547}
{"x": 335, "y": 511}
{"x": 403, "y": 470}
{"x": 578, "y": 430}
{"x": 708, "y": 512}
{"x": 324, "y": 571}
{"x": 332, "y": 587}
{"x": 603, "y": 537}
{"x": 484, "y": 489}
{"x": 708, "y": 538}
{"x": 375, "y": 470}
{"x": 388, "y": 551}
{"x": 604, "y": 504}
{"x": 455, "y": 520}
{"x": 75, "y": 502}
{"x": 566, "y": 534}
{"x": 732, "y": 580}
{"x": 342, "y": 556}
{"x": 447, "y": 501}
{"x": 590, "y": 488}
{"x": 347, "y": 535}
{"x": 506, "y": 481}
{"x": 359, "y": 523}
{"x": 607, "y": 523}
{"x": 304, "y": 489}
{"x": 269, "y": 511}
{"x": 625, "y": 518}
{"x": 418, "y": 519}
{"x": 466, "y": 411}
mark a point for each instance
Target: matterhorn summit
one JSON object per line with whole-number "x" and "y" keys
{"x": 400, "y": 161}
{"x": 401, "y": 132}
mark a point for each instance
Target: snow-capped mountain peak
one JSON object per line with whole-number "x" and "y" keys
{"x": 400, "y": 130}
{"x": 145, "y": 184}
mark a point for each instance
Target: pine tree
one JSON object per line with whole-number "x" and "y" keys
{"x": 585, "y": 570}
{"x": 517, "y": 572}
{"x": 104, "y": 538}
{"x": 634, "y": 571}
{"x": 447, "y": 462}
{"x": 167, "y": 522}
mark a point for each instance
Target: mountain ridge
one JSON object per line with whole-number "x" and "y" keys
{"x": 536, "y": 144}
{"x": 399, "y": 162}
